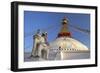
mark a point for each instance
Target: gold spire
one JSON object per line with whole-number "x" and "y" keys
{"x": 64, "y": 27}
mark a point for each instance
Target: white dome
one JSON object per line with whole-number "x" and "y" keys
{"x": 68, "y": 44}
{"x": 64, "y": 48}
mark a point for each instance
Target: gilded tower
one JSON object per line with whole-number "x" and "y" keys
{"x": 64, "y": 29}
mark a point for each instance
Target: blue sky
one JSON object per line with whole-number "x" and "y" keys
{"x": 51, "y": 23}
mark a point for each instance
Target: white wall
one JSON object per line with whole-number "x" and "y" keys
{"x": 5, "y": 35}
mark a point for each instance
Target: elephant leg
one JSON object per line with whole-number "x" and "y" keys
{"x": 33, "y": 52}
{"x": 46, "y": 54}
{"x": 39, "y": 52}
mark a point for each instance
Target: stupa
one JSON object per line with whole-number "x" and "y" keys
{"x": 65, "y": 47}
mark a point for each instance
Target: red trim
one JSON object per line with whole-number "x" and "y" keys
{"x": 66, "y": 34}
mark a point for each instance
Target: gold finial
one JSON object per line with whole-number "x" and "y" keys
{"x": 64, "y": 28}
{"x": 65, "y": 20}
